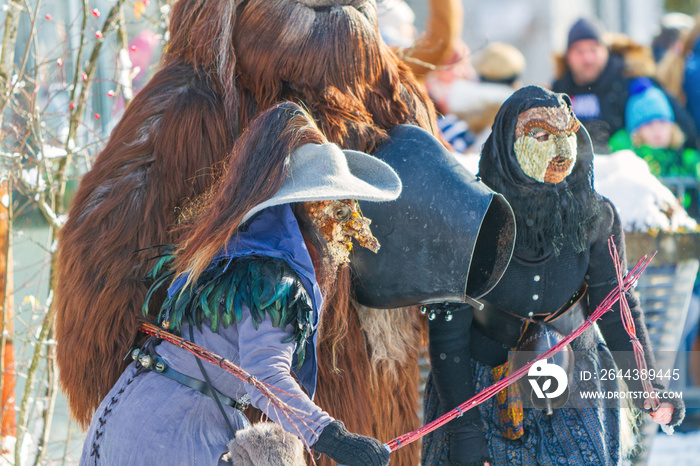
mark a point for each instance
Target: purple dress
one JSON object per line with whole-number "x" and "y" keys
{"x": 148, "y": 419}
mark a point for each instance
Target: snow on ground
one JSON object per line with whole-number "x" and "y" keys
{"x": 680, "y": 449}
{"x": 643, "y": 202}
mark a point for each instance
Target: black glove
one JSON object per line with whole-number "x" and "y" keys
{"x": 468, "y": 446}
{"x": 350, "y": 449}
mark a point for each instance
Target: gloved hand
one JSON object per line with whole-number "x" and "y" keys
{"x": 468, "y": 447}
{"x": 350, "y": 449}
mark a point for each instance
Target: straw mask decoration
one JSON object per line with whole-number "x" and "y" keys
{"x": 339, "y": 222}
{"x": 545, "y": 144}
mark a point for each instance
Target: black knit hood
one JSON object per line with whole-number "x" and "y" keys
{"x": 548, "y": 216}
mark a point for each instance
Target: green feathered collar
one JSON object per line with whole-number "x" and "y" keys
{"x": 268, "y": 286}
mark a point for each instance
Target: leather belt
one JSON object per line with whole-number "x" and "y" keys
{"x": 155, "y": 363}
{"x": 506, "y": 327}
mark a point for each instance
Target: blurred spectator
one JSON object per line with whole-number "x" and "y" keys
{"x": 679, "y": 70}
{"x": 439, "y": 45}
{"x": 652, "y": 133}
{"x": 457, "y": 132}
{"x": 670, "y": 32}
{"x": 691, "y": 77}
{"x": 475, "y": 102}
{"x": 397, "y": 23}
{"x": 500, "y": 63}
{"x": 439, "y": 52}
{"x": 672, "y": 66}
{"x": 596, "y": 74}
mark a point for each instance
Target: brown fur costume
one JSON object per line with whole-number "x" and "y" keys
{"x": 226, "y": 61}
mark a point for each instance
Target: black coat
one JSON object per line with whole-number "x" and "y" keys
{"x": 541, "y": 285}
{"x": 563, "y": 232}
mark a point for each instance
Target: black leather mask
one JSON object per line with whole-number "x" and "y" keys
{"x": 448, "y": 237}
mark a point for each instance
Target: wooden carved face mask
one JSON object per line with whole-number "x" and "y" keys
{"x": 545, "y": 143}
{"x": 339, "y": 222}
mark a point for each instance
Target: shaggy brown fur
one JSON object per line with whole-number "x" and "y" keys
{"x": 163, "y": 151}
{"x": 356, "y": 386}
{"x": 159, "y": 154}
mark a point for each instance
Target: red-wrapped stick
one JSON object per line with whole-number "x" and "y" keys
{"x": 628, "y": 323}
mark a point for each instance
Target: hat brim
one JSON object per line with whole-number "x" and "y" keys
{"x": 369, "y": 179}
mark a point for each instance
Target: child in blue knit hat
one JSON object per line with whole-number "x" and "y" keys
{"x": 652, "y": 133}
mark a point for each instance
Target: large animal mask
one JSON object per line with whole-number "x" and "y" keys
{"x": 448, "y": 237}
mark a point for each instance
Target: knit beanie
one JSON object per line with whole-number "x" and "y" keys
{"x": 645, "y": 104}
{"x": 584, "y": 29}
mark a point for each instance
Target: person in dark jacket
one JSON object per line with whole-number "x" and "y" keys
{"x": 597, "y": 81}
{"x": 540, "y": 158}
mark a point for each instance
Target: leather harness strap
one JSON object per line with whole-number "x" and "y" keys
{"x": 506, "y": 327}
{"x": 159, "y": 366}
